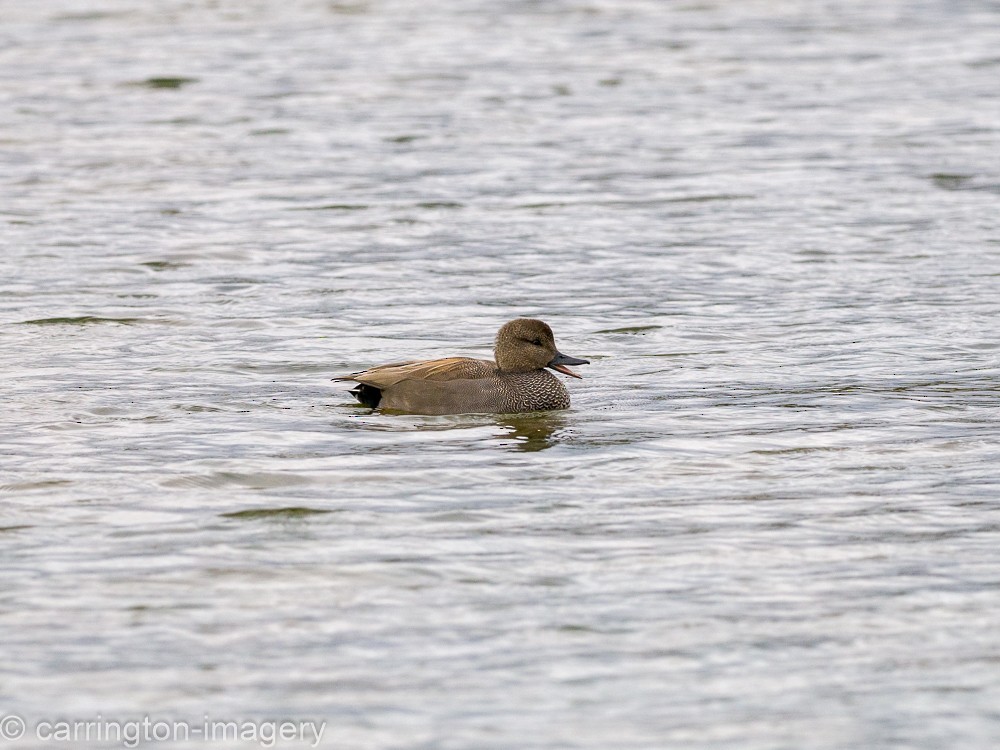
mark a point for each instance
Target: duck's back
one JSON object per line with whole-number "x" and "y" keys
{"x": 435, "y": 370}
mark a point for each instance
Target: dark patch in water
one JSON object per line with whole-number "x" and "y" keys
{"x": 986, "y": 62}
{"x": 639, "y": 201}
{"x": 289, "y": 512}
{"x": 348, "y": 9}
{"x": 80, "y": 321}
{"x": 630, "y": 329}
{"x": 335, "y": 207}
{"x": 963, "y": 182}
{"x": 164, "y": 82}
{"x": 950, "y": 181}
{"x": 162, "y": 265}
{"x": 92, "y": 16}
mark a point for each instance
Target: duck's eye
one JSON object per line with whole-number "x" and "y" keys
{"x": 537, "y": 342}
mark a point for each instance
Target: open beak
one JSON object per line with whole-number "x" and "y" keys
{"x": 560, "y": 361}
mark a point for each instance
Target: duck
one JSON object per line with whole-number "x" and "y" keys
{"x": 517, "y": 381}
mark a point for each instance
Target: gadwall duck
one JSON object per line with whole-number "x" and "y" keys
{"x": 516, "y": 382}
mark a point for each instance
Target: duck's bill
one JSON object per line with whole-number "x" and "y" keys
{"x": 560, "y": 361}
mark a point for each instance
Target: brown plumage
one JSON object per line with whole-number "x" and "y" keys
{"x": 516, "y": 382}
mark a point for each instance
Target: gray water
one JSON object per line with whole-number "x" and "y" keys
{"x": 771, "y": 518}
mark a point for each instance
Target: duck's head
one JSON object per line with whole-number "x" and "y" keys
{"x": 526, "y": 344}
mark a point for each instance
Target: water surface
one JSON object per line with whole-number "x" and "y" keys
{"x": 770, "y": 519}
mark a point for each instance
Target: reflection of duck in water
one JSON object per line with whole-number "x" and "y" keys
{"x": 516, "y": 382}
{"x": 532, "y": 432}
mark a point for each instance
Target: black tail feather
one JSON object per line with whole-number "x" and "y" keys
{"x": 368, "y": 395}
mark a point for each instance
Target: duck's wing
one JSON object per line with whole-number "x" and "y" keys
{"x": 376, "y": 368}
{"x": 449, "y": 368}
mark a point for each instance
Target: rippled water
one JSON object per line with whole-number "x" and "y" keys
{"x": 770, "y": 519}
